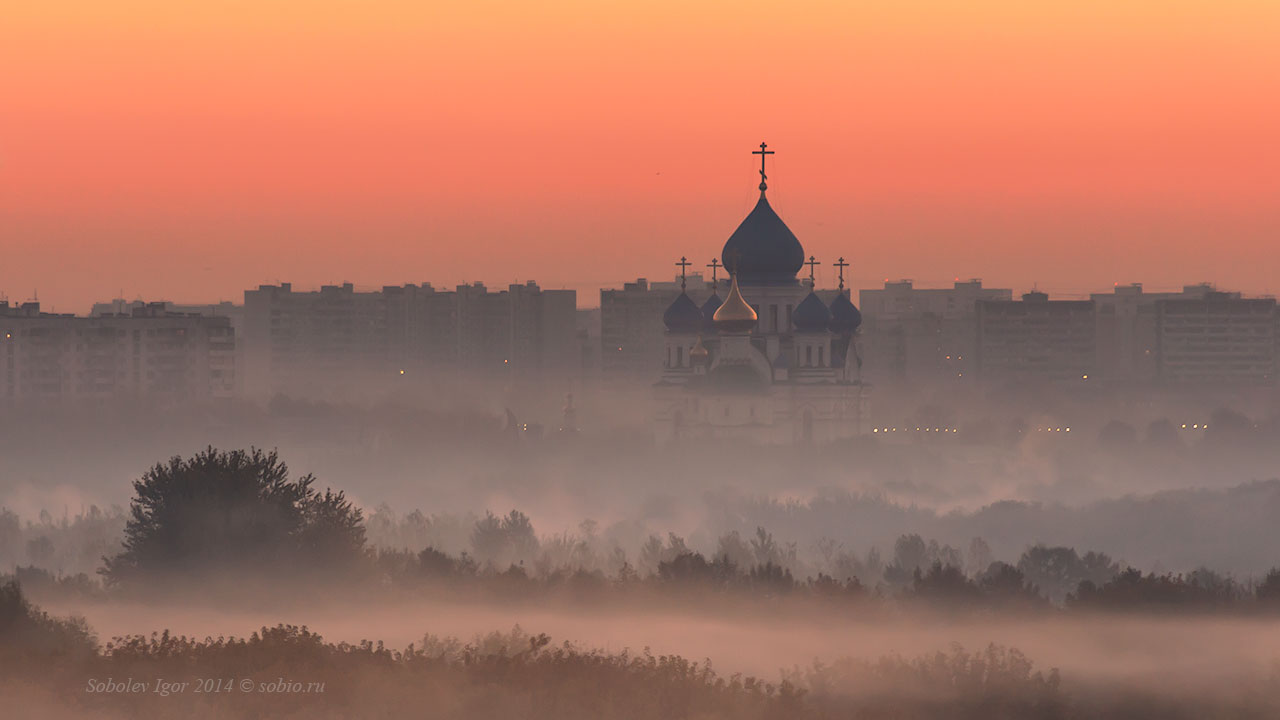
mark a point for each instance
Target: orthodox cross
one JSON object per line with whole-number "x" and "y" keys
{"x": 684, "y": 263}
{"x": 715, "y": 263}
{"x": 762, "y": 153}
{"x": 812, "y": 264}
{"x": 842, "y": 265}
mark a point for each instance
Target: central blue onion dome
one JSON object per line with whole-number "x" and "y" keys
{"x": 683, "y": 316}
{"x": 811, "y": 315}
{"x": 845, "y": 317}
{"x": 766, "y": 251}
{"x": 709, "y": 313}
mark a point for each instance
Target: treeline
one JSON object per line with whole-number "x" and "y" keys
{"x": 235, "y": 519}
{"x": 68, "y": 544}
{"x": 1000, "y": 587}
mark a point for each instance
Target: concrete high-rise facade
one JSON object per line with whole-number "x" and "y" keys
{"x": 1216, "y": 339}
{"x": 915, "y": 335}
{"x": 312, "y": 342}
{"x": 149, "y": 353}
{"x": 1036, "y": 339}
{"x": 631, "y": 329}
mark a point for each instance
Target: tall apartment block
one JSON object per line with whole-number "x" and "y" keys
{"x": 148, "y": 353}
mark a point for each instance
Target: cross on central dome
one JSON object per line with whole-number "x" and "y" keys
{"x": 763, "y": 250}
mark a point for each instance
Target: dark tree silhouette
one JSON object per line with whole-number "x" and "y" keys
{"x": 233, "y": 511}
{"x": 1057, "y": 571}
{"x": 1268, "y": 591}
{"x": 1005, "y": 584}
{"x": 28, "y": 633}
{"x": 1133, "y": 591}
{"x": 944, "y": 585}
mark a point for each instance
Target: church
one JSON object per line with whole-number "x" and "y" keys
{"x": 771, "y": 363}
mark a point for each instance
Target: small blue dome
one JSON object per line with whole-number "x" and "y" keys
{"x": 683, "y": 316}
{"x": 811, "y": 315}
{"x": 708, "y": 313}
{"x": 845, "y": 317}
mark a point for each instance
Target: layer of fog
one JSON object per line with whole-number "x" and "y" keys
{"x": 1158, "y": 502}
{"x": 1186, "y": 653}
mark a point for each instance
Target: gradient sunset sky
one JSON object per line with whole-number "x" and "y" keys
{"x": 190, "y": 150}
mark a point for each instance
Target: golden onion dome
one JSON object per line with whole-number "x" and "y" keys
{"x": 698, "y": 352}
{"x": 734, "y": 315}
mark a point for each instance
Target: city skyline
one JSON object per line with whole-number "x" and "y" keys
{"x": 590, "y": 300}
{"x": 184, "y": 154}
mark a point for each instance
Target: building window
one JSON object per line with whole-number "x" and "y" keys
{"x": 820, "y": 362}
{"x": 680, "y": 356}
{"x": 773, "y": 318}
{"x": 808, "y": 356}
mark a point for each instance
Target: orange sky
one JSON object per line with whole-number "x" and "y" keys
{"x": 186, "y": 153}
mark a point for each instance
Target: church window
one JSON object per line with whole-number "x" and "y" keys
{"x": 680, "y": 356}
{"x": 788, "y": 318}
{"x": 820, "y": 362}
{"x": 808, "y": 356}
{"x": 773, "y": 318}
{"x": 668, "y": 357}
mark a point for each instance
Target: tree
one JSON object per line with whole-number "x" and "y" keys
{"x": 1005, "y": 584}
{"x": 771, "y": 579}
{"x": 26, "y": 632}
{"x": 979, "y": 557}
{"x": 945, "y": 585}
{"x": 233, "y": 511}
{"x": 732, "y": 546}
{"x": 504, "y": 540}
{"x": 764, "y": 547}
{"x": 40, "y": 551}
{"x": 1055, "y": 570}
{"x": 910, "y": 553}
{"x": 1268, "y": 591}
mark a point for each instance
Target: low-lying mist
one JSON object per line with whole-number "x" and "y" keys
{"x": 1131, "y": 562}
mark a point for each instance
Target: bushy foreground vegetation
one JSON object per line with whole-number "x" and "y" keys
{"x": 55, "y": 668}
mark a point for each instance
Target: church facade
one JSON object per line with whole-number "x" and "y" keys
{"x": 771, "y": 363}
